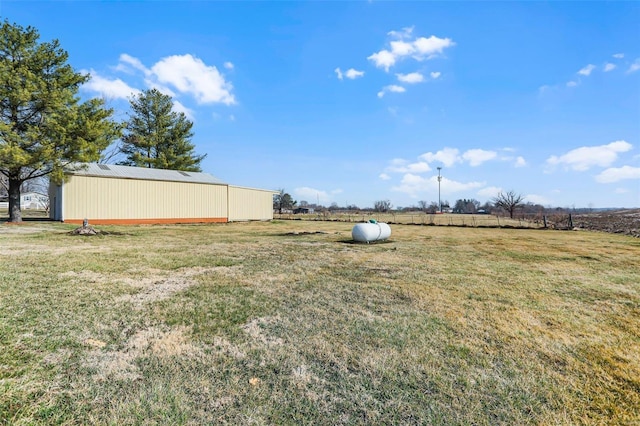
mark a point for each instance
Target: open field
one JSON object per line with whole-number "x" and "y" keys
{"x": 288, "y": 322}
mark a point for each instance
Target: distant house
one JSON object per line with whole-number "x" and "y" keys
{"x": 28, "y": 201}
{"x": 302, "y": 210}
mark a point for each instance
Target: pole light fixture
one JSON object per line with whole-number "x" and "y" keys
{"x": 439, "y": 179}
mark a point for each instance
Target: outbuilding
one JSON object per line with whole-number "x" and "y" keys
{"x": 112, "y": 194}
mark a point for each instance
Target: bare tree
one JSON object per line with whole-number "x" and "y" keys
{"x": 113, "y": 154}
{"x": 382, "y": 206}
{"x": 510, "y": 201}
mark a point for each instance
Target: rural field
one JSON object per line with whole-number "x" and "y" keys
{"x": 290, "y": 322}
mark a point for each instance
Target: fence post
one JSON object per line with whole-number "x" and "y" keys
{"x": 544, "y": 220}
{"x": 570, "y": 222}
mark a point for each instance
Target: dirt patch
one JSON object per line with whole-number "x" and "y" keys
{"x": 624, "y": 222}
{"x": 120, "y": 364}
{"x": 157, "y": 287}
{"x": 257, "y": 329}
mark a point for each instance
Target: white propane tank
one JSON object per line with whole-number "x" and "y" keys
{"x": 370, "y": 231}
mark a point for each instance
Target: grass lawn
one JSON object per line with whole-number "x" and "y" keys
{"x": 288, "y": 322}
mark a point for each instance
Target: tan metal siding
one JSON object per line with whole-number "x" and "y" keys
{"x": 111, "y": 198}
{"x": 250, "y": 204}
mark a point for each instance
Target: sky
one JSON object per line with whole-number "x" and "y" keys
{"x": 355, "y": 102}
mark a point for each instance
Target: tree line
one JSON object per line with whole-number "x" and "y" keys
{"x": 509, "y": 201}
{"x": 46, "y": 129}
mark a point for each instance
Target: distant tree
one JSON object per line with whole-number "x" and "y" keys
{"x": 44, "y": 128}
{"x": 283, "y": 201}
{"x": 486, "y": 207}
{"x": 509, "y": 201}
{"x": 352, "y": 207}
{"x": 334, "y": 206}
{"x": 158, "y": 137}
{"x": 382, "y": 206}
{"x": 433, "y": 207}
{"x": 466, "y": 206}
{"x": 423, "y": 205}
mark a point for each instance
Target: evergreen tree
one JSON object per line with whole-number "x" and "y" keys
{"x": 157, "y": 137}
{"x": 43, "y": 126}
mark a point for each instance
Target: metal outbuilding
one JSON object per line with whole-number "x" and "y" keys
{"x": 113, "y": 194}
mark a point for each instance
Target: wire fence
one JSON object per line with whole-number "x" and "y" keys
{"x": 533, "y": 221}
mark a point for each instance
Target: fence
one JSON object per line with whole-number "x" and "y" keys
{"x": 533, "y": 221}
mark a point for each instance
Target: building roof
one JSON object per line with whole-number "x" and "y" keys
{"x": 142, "y": 173}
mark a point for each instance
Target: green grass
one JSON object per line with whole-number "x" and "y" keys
{"x": 251, "y": 323}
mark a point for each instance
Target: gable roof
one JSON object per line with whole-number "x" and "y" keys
{"x": 142, "y": 173}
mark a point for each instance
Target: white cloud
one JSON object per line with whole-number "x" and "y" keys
{"x": 401, "y": 48}
{"x": 585, "y": 157}
{"x": 537, "y": 199}
{"x": 572, "y": 84}
{"x": 338, "y": 72}
{"x": 430, "y": 47}
{"x": 415, "y": 185}
{"x": 490, "y": 192}
{"x": 313, "y": 195}
{"x": 634, "y": 67}
{"x": 617, "y": 174}
{"x": 384, "y": 176}
{"x": 399, "y": 165}
{"x": 229, "y": 65}
{"x": 352, "y": 73}
{"x": 586, "y": 71}
{"x": 188, "y": 74}
{"x": 520, "y": 162}
{"x": 414, "y": 77}
{"x": 383, "y": 59}
{"x": 391, "y": 88}
{"x": 447, "y": 156}
{"x": 160, "y": 87}
{"x": 173, "y": 75}
{"x": 179, "y": 107}
{"x": 621, "y": 191}
{"x": 110, "y": 89}
{"x": 127, "y": 62}
{"x": 419, "y": 49}
{"x": 618, "y": 55}
{"x": 475, "y": 157}
{"x": 609, "y": 67}
{"x": 435, "y": 75}
{"x": 404, "y": 33}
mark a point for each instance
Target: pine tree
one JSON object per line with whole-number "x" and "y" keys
{"x": 157, "y": 137}
{"x": 43, "y": 126}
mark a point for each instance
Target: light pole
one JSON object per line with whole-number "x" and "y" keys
{"x": 439, "y": 179}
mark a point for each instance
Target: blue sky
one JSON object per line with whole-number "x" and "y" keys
{"x": 353, "y": 102}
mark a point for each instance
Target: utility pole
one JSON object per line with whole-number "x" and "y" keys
{"x": 439, "y": 179}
